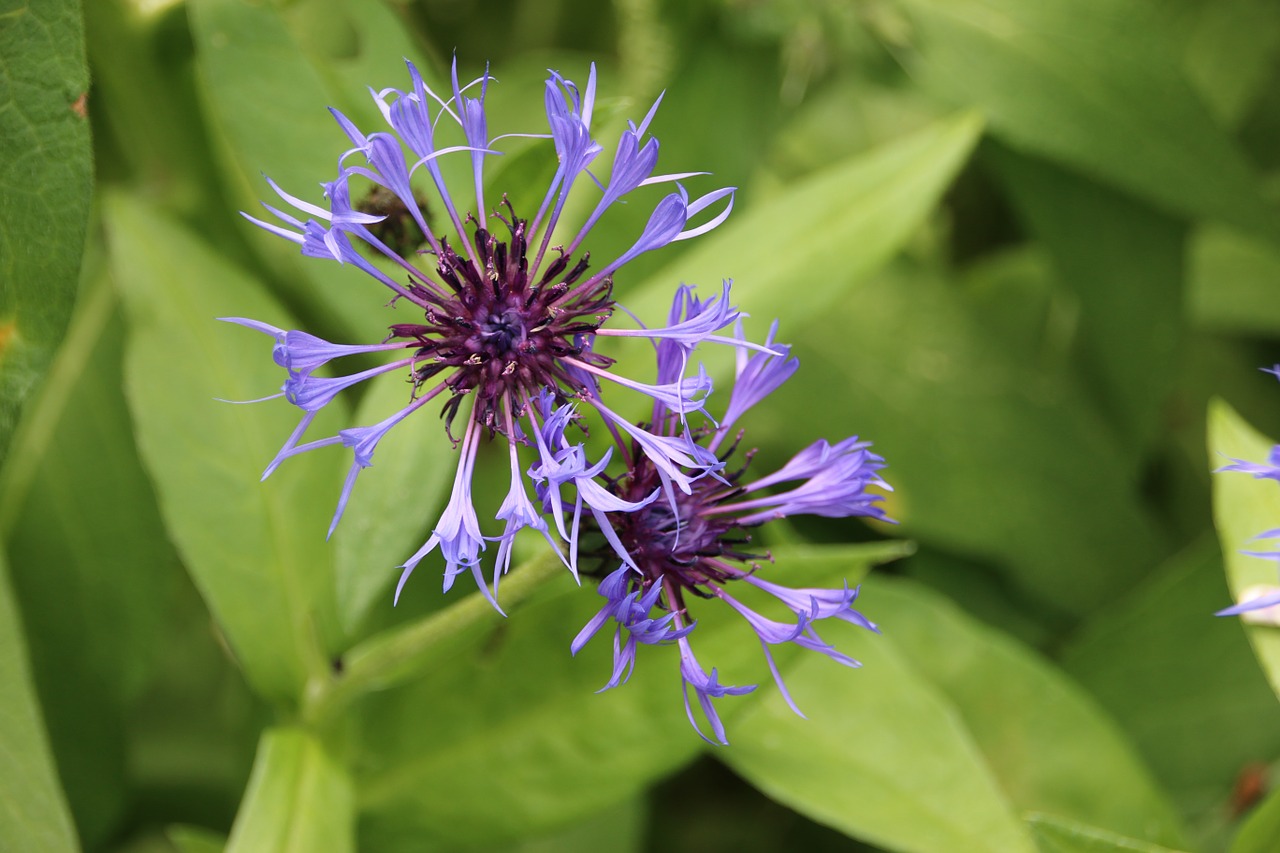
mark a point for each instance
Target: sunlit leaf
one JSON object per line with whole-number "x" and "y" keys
{"x": 515, "y": 706}
{"x": 795, "y": 255}
{"x": 1244, "y": 507}
{"x": 1184, "y": 686}
{"x": 1048, "y": 742}
{"x": 1260, "y": 831}
{"x": 299, "y": 799}
{"x": 883, "y": 755}
{"x": 1058, "y": 835}
{"x": 256, "y": 550}
{"x": 1073, "y": 84}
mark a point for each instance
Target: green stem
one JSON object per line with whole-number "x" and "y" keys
{"x": 401, "y": 654}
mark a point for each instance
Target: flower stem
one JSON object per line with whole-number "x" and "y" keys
{"x": 404, "y": 653}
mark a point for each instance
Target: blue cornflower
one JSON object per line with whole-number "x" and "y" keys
{"x": 1259, "y": 598}
{"x": 502, "y": 330}
{"x": 698, "y": 543}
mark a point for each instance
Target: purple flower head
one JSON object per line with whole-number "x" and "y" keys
{"x": 498, "y": 322}
{"x": 696, "y": 544}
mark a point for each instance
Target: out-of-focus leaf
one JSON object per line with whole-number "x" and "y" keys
{"x": 1123, "y": 262}
{"x": 1234, "y": 283}
{"x": 1074, "y": 84}
{"x": 1059, "y": 835}
{"x": 1048, "y": 743}
{"x": 394, "y": 502}
{"x": 1228, "y": 48}
{"x": 1244, "y": 507}
{"x": 619, "y": 828}
{"x": 1260, "y": 831}
{"x": 299, "y": 799}
{"x": 268, "y": 97}
{"x": 256, "y": 550}
{"x": 33, "y": 813}
{"x": 883, "y": 756}
{"x": 1184, "y": 686}
{"x": 971, "y": 475}
{"x": 192, "y": 733}
{"x": 515, "y": 707}
{"x": 92, "y": 567}
{"x": 44, "y": 189}
{"x": 803, "y": 250}
{"x": 195, "y": 839}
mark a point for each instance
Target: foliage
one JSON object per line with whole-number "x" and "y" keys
{"x": 1029, "y": 248}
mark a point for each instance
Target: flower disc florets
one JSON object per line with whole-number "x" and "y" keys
{"x": 500, "y": 336}
{"x": 698, "y": 541}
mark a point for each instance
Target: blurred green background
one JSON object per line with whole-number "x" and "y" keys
{"x": 1020, "y": 245}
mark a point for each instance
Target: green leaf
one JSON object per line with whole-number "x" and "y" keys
{"x": 256, "y": 550}
{"x": 1244, "y": 507}
{"x": 195, "y": 839}
{"x": 1123, "y": 262}
{"x": 393, "y": 504}
{"x": 1185, "y": 686}
{"x": 513, "y": 705}
{"x": 1075, "y": 86}
{"x": 970, "y": 477}
{"x": 92, "y": 567}
{"x": 1229, "y": 48}
{"x": 1260, "y": 831}
{"x": 267, "y": 97}
{"x": 1234, "y": 283}
{"x": 875, "y": 202}
{"x": 1049, "y": 744}
{"x": 33, "y": 813}
{"x": 883, "y": 756}
{"x": 44, "y": 189}
{"x": 299, "y": 799}
{"x": 1058, "y": 835}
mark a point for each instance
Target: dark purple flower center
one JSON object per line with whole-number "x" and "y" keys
{"x": 501, "y": 335}
{"x": 685, "y": 547}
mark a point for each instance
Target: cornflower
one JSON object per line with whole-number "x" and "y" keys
{"x": 698, "y": 543}
{"x": 504, "y": 327}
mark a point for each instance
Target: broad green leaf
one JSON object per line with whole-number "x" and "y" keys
{"x": 1050, "y": 746}
{"x": 973, "y": 430}
{"x": 299, "y": 799}
{"x": 92, "y": 567}
{"x": 256, "y": 550}
{"x": 1233, "y": 283}
{"x": 1184, "y": 686}
{"x": 1228, "y": 48}
{"x": 1123, "y": 262}
{"x": 513, "y": 706}
{"x": 1243, "y": 508}
{"x": 883, "y": 756}
{"x": 393, "y": 505}
{"x": 267, "y": 97}
{"x": 33, "y": 813}
{"x": 45, "y": 180}
{"x": 1058, "y": 835}
{"x": 1260, "y": 831}
{"x": 1073, "y": 84}
{"x": 795, "y": 255}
